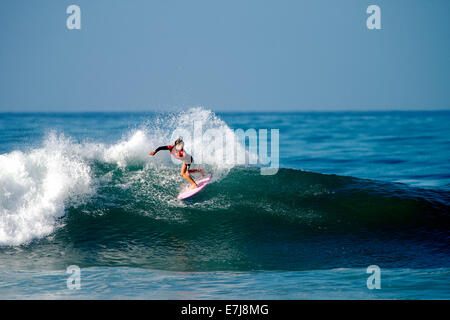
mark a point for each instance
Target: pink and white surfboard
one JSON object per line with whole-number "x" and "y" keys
{"x": 186, "y": 193}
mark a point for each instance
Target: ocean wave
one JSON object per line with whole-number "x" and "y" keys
{"x": 36, "y": 186}
{"x": 294, "y": 220}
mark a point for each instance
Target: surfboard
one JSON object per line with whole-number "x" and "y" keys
{"x": 186, "y": 193}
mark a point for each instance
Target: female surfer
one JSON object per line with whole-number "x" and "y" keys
{"x": 178, "y": 152}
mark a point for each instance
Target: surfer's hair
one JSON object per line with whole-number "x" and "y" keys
{"x": 178, "y": 144}
{"x": 178, "y": 141}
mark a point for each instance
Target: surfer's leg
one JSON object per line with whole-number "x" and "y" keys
{"x": 185, "y": 174}
{"x": 202, "y": 171}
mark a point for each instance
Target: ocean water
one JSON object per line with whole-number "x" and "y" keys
{"x": 354, "y": 189}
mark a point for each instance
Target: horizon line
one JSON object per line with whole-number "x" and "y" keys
{"x": 226, "y": 111}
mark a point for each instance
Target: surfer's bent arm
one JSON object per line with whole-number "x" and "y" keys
{"x": 159, "y": 149}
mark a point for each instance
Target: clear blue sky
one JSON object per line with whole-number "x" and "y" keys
{"x": 225, "y": 55}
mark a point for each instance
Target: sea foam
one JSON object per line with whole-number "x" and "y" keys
{"x": 34, "y": 186}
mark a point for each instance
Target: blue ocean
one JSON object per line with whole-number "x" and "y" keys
{"x": 353, "y": 190}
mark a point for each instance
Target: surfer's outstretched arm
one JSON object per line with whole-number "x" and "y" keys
{"x": 159, "y": 149}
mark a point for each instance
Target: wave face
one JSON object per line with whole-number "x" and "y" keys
{"x": 294, "y": 220}
{"x": 99, "y": 204}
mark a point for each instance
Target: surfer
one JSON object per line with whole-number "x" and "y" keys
{"x": 177, "y": 151}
